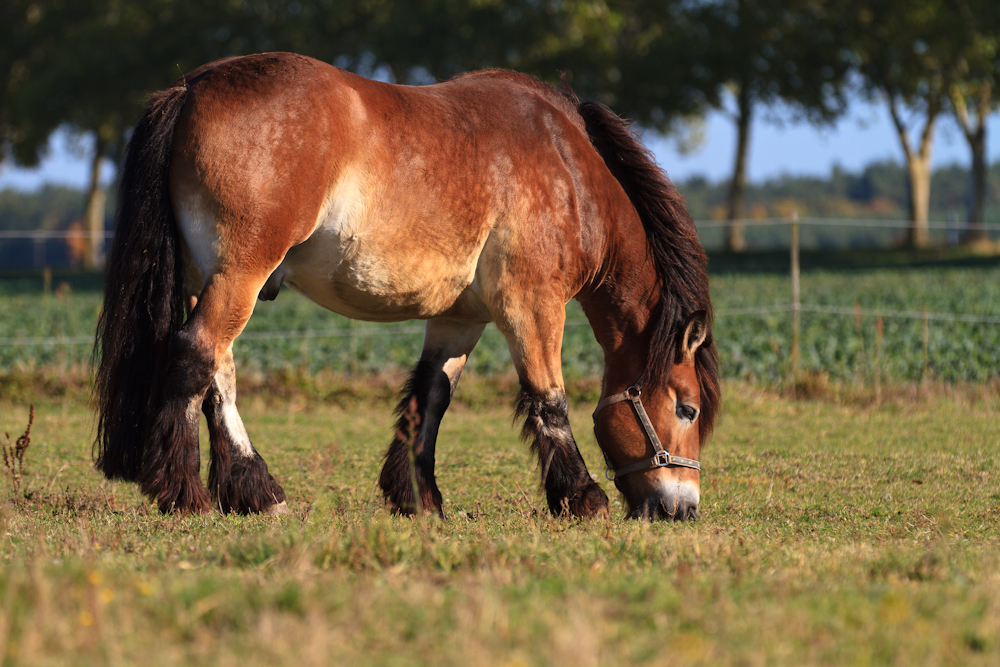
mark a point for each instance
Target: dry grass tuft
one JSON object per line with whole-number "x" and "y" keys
{"x": 13, "y": 455}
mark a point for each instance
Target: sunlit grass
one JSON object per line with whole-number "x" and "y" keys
{"x": 839, "y": 530}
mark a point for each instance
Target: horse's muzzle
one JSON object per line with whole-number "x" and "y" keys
{"x": 671, "y": 501}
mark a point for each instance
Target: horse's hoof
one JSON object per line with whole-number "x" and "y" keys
{"x": 591, "y": 503}
{"x": 279, "y": 509}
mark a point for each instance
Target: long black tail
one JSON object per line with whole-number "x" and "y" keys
{"x": 143, "y": 304}
{"x": 674, "y": 244}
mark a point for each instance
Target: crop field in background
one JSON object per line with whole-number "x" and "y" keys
{"x": 293, "y": 333}
{"x": 832, "y": 532}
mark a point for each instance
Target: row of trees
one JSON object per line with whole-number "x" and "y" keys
{"x": 88, "y": 64}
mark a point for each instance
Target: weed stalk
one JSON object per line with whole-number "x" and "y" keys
{"x": 13, "y": 455}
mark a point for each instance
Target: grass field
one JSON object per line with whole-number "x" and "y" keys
{"x": 842, "y": 530}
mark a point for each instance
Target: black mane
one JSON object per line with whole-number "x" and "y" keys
{"x": 681, "y": 262}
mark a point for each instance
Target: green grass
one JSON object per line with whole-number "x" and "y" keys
{"x": 846, "y": 530}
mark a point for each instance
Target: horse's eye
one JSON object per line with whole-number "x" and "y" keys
{"x": 686, "y": 412}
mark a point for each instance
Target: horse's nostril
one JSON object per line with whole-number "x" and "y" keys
{"x": 680, "y": 511}
{"x": 658, "y": 509}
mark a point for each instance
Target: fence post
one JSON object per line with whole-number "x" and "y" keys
{"x": 38, "y": 259}
{"x": 796, "y": 300}
{"x": 927, "y": 343}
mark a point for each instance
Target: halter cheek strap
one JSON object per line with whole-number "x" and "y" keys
{"x": 661, "y": 458}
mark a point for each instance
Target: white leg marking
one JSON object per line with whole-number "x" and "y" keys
{"x": 232, "y": 423}
{"x": 237, "y": 432}
{"x": 561, "y": 434}
{"x": 453, "y": 369}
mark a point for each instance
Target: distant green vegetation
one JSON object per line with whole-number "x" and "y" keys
{"x": 878, "y": 192}
{"x": 830, "y": 534}
{"x": 848, "y": 347}
{"x": 52, "y": 207}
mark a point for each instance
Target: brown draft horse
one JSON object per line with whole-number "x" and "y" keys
{"x": 489, "y": 198}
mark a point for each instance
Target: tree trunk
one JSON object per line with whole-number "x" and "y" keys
{"x": 736, "y": 230}
{"x": 94, "y": 209}
{"x": 978, "y": 199}
{"x": 918, "y": 168}
{"x": 976, "y": 136}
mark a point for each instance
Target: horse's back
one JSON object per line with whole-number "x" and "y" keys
{"x": 381, "y": 201}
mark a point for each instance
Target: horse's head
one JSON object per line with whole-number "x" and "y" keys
{"x": 651, "y": 435}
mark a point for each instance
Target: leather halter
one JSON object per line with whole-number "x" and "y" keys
{"x": 661, "y": 458}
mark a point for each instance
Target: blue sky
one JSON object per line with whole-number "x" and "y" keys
{"x": 863, "y": 135}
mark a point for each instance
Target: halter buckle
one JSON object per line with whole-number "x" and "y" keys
{"x": 661, "y": 459}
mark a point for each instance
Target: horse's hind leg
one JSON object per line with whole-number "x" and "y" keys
{"x": 238, "y": 478}
{"x": 426, "y": 396}
{"x": 535, "y": 341}
{"x": 171, "y": 466}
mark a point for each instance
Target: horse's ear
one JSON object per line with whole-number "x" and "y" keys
{"x": 695, "y": 332}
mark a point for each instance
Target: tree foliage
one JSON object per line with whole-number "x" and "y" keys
{"x": 29, "y": 31}
{"x": 788, "y": 52}
{"x": 975, "y": 91}
{"x": 916, "y": 56}
{"x": 89, "y": 64}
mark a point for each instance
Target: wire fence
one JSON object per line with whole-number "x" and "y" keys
{"x": 289, "y": 335}
{"x": 40, "y": 248}
{"x": 827, "y": 234}
{"x": 847, "y": 222}
{"x": 36, "y": 249}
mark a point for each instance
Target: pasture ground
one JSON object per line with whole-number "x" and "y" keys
{"x": 848, "y": 528}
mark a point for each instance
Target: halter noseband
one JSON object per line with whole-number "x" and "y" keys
{"x": 661, "y": 458}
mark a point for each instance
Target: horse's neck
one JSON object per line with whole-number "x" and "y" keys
{"x": 620, "y": 308}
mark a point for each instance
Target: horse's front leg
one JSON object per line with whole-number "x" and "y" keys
{"x": 534, "y": 336}
{"x": 426, "y": 396}
{"x": 238, "y": 477}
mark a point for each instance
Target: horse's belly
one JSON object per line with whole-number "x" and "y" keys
{"x": 365, "y": 278}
